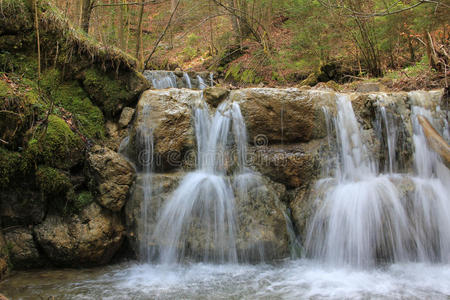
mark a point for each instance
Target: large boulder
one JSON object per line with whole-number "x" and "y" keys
{"x": 23, "y": 250}
{"x": 168, "y": 115}
{"x": 261, "y": 217}
{"x": 90, "y": 238}
{"x": 282, "y": 115}
{"x": 293, "y": 165}
{"x": 113, "y": 175}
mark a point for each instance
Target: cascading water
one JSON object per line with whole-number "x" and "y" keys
{"x": 205, "y": 199}
{"x": 211, "y": 78}
{"x": 187, "y": 79}
{"x": 161, "y": 79}
{"x": 201, "y": 83}
{"x": 145, "y": 138}
{"x": 366, "y": 213}
{"x": 365, "y": 217}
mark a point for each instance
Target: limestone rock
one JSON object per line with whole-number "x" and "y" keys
{"x": 170, "y": 119}
{"x": 293, "y": 165}
{"x": 368, "y": 87}
{"x": 262, "y": 231}
{"x": 215, "y": 95}
{"x": 113, "y": 175}
{"x": 91, "y": 238}
{"x": 282, "y": 115}
{"x": 23, "y": 250}
{"x": 163, "y": 186}
{"x": 126, "y": 116}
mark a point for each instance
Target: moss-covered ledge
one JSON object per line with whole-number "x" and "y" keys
{"x": 107, "y": 74}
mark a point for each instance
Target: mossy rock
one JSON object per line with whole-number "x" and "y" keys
{"x": 109, "y": 93}
{"x": 24, "y": 64}
{"x": 52, "y": 182}
{"x": 71, "y": 96}
{"x": 17, "y": 109}
{"x": 18, "y": 16}
{"x": 13, "y": 167}
{"x": 82, "y": 200}
{"x": 58, "y": 147}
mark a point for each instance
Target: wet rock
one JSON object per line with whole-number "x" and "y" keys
{"x": 293, "y": 165}
{"x": 282, "y": 115}
{"x": 262, "y": 231}
{"x": 126, "y": 116}
{"x": 21, "y": 206}
{"x": 170, "y": 118}
{"x": 368, "y": 87}
{"x": 113, "y": 175}
{"x": 162, "y": 187}
{"x": 91, "y": 238}
{"x": 215, "y": 95}
{"x": 22, "y": 248}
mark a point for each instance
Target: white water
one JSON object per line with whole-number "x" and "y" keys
{"x": 366, "y": 217}
{"x": 201, "y": 83}
{"x": 211, "y": 78}
{"x": 145, "y": 138}
{"x": 187, "y": 79}
{"x": 300, "y": 279}
{"x": 204, "y": 198}
{"x": 161, "y": 79}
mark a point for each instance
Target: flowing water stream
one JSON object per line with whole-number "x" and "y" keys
{"x": 377, "y": 233}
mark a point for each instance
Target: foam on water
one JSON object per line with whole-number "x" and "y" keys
{"x": 299, "y": 279}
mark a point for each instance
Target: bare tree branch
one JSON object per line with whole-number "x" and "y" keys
{"x": 162, "y": 34}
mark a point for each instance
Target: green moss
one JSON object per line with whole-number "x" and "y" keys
{"x": 58, "y": 146}
{"x": 52, "y": 182}
{"x": 24, "y": 64}
{"x": 109, "y": 93}
{"x": 82, "y": 200}
{"x": 12, "y": 167}
{"x": 4, "y": 89}
{"x": 71, "y": 96}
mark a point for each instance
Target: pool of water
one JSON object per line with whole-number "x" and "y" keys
{"x": 297, "y": 279}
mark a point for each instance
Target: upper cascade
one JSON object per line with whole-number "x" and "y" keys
{"x": 177, "y": 79}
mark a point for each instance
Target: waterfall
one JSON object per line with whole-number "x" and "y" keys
{"x": 187, "y": 79}
{"x": 364, "y": 217}
{"x": 201, "y": 83}
{"x": 387, "y": 128}
{"x": 204, "y": 199}
{"x": 145, "y": 139}
{"x": 161, "y": 79}
{"x": 211, "y": 78}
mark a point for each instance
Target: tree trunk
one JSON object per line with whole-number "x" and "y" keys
{"x": 234, "y": 24}
{"x": 86, "y": 14}
{"x": 121, "y": 29}
{"x": 435, "y": 141}
{"x": 139, "y": 34}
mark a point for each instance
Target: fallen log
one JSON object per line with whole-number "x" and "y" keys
{"x": 435, "y": 140}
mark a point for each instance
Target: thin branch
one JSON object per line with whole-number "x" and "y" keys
{"x": 162, "y": 34}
